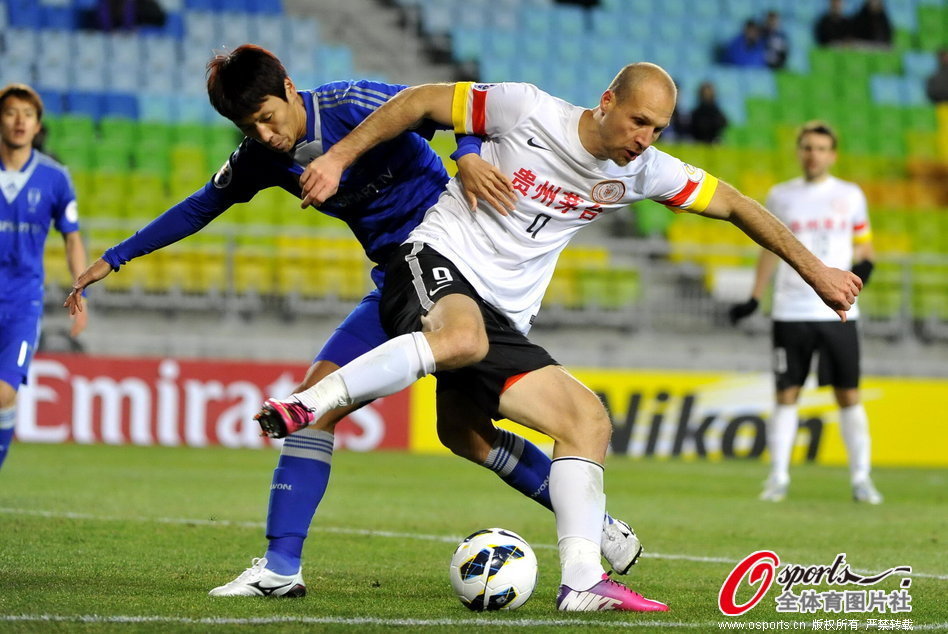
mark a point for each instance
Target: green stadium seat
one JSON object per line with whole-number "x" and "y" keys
{"x": 112, "y": 155}
{"x": 118, "y": 129}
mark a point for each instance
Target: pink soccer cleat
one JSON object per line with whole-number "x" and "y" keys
{"x": 279, "y": 419}
{"x": 605, "y": 595}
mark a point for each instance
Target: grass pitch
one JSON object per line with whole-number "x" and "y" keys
{"x": 100, "y": 538}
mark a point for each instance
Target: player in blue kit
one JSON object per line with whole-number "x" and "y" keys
{"x": 37, "y": 191}
{"x": 382, "y": 198}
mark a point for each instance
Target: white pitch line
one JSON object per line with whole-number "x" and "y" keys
{"x": 316, "y": 620}
{"x": 447, "y": 539}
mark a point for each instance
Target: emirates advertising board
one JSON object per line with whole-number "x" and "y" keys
{"x": 687, "y": 415}
{"x": 172, "y": 402}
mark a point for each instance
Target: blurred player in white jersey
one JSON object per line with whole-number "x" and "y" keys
{"x": 465, "y": 287}
{"x": 829, "y": 216}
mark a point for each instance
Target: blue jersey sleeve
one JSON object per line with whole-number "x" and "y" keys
{"x": 237, "y": 181}
{"x": 66, "y": 211}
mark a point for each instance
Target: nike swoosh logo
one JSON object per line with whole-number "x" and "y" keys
{"x": 533, "y": 143}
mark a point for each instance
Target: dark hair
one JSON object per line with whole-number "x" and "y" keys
{"x": 24, "y": 92}
{"x": 237, "y": 83}
{"x": 817, "y": 127}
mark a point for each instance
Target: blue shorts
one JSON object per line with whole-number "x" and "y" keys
{"x": 19, "y": 336}
{"x": 358, "y": 333}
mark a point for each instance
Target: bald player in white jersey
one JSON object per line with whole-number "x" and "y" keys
{"x": 829, "y": 216}
{"x": 462, "y": 292}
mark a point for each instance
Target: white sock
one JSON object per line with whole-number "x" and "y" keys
{"x": 780, "y": 439}
{"x": 391, "y": 367}
{"x": 579, "y": 504}
{"x": 855, "y": 427}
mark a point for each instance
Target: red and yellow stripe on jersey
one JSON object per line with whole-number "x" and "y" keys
{"x": 468, "y": 111}
{"x": 695, "y": 195}
{"x": 862, "y": 233}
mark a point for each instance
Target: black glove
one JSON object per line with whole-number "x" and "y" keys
{"x": 740, "y": 311}
{"x": 864, "y": 270}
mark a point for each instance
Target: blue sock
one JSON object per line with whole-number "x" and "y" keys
{"x": 299, "y": 482}
{"x": 7, "y": 421}
{"x": 522, "y": 465}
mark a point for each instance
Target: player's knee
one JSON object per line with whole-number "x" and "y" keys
{"x": 7, "y": 395}
{"x": 465, "y": 347}
{"x": 461, "y": 442}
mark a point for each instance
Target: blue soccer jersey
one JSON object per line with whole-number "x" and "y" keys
{"x": 382, "y": 196}
{"x": 34, "y": 196}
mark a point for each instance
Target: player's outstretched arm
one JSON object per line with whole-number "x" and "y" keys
{"x": 76, "y": 260}
{"x": 320, "y": 179}
{"x": 838, "y": 289}
{"x": 97, "y": 270}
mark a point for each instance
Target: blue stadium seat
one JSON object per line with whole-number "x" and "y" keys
{"x": 89, "y": 77}
{"x": 55, "y": 48}
{"x": 466, "y": 43}
{"x": 89, "y": 104}
{"x": 4, "y": 21}
{"x": 19, "y": 46}
{"x": 17, "y": 72}
{"x": 157, "y": 107}
{"x": 268, "y": 7}
{"x": 233, "y": 29}
{"x": 52, "y": 102}
{"x": 24, "y": 14}
{"x": 194, "y": 109}
{"x": 53, "y": 76}
{"x": 919, "y": 64}
{"x": 124, "y": 105}
{"x": 266, "y": 30}
{"x": 174, "y": 26}
{"x": 58, "y": 17}
{"x": 886, "y": 89}
{"x": 125, "y": 47}
{"x": 201, "y": 5}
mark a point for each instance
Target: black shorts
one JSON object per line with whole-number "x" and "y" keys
{"x": 418, "y": 276}
{"x": 837, "y": 343}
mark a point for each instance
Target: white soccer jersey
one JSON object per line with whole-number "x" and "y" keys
{"x": 827, "y": 217}
{"x": 533, "y": 138}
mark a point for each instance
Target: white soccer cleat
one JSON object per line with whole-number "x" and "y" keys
{"x": 774, "y": 490}
{"x": 258, "y": 581}
{"x": 620, "y": 546}
{"x": 866, "y": 492}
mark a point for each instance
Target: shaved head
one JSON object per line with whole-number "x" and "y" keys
{"x": 642, "y": 75}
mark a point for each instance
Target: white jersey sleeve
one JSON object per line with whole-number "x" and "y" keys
{"x": 676, "y": 184}
{"x": 861, "y": 230}
{"x": 491, "y": 109}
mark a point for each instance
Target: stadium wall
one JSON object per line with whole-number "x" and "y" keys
{"x": 663, "y": 414}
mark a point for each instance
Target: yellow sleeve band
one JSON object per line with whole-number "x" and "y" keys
{"x": 708, "y": 187}
{"x": 864, "y": 238}
{"x": 459, "y": 110}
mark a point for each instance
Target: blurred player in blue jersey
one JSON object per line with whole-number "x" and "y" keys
{"x": 382, "y": 197}
{"x": 36, "y": 191}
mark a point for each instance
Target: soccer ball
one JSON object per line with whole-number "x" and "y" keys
{"x": 493, "y": 569}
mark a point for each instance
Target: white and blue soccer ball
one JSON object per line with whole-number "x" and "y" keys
{"x": 493, "y": 569}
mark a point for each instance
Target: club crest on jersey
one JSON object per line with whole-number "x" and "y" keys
{"x": 607, "y": 192}
{"x": 693, "y": 173}
{"x": 483, "y": 86}
{"x": 33, "y": 197}
{"x": 223, "y": 176}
